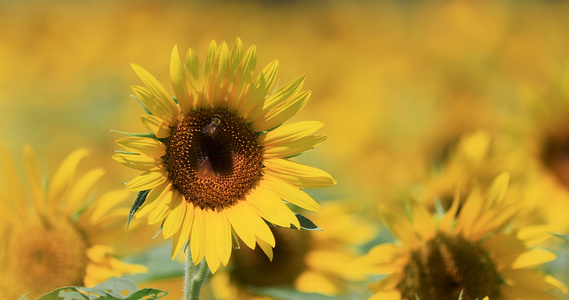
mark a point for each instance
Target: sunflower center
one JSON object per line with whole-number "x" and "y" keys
{"x": 253, "y": 267}
{"x": 447, "y": 266}
{"x": 213, "y": 158}
{"x": 555, "y": 156}
{"x": 44, "y": 254}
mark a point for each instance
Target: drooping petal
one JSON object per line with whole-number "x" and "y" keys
{"x": 143, "y": 145}
{"x": 240, "y": 225}
{"x": 156, "y": 125}
{"x": 298, "y": 174}
{"x": 294, "y": 148}
{"x": 147, "y": 180}
{"x": 139, "y": 162}
{"x": 197, "y": 236}
{"x": 289, "y": 132}
{"x": 175, "y": 218}
{"x": 183, "y": 234}
{"x": 291, "y": 194}
{"x": 271, "y": 208}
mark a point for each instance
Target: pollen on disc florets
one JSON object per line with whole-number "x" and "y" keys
{"x": 447, "y": 266}
{"x": 213, "y": 157}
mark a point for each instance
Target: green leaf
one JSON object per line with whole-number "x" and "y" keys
{"x": 306, "y": 224}
{"x": 289, "y": 294}
{"x": 24, "y": 296}
{"x": 113, "y": 289}
{"x": 561, "y": 236}
{"x": 140, "y": 198}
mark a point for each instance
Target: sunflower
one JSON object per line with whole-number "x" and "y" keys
{"x": 216, "y": 162}
{"x": 471, "y": 253}
{"x": 57, "y": 229}
{"x": 308, "y": 261}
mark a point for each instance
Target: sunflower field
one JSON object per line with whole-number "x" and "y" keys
{"x": 284, "y": 149}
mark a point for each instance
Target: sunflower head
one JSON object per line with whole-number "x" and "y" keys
{"x": 474, "y": 253}
{"x": 216, "y": 159}
{"x": 61, "y": 231}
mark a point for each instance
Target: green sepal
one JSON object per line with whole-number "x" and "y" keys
{"x": 111, "y": 289}
{"x": 305, "y": 224}
{"x": 125, "y": 152}
{"x": 175, "y": 100}
{"x": 140, "y": 198}
{"x": 143, "y": 106}
{"x": 289, "y": 294}
{"x": 561, "y": 236}
{"x": 148, "y": 134}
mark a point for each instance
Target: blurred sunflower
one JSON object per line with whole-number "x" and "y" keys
{"x": 58, "y": 235}
{"x": 217, "y": 158}
{"x": 470, "y": 253}
{"x": 308, "y": 261}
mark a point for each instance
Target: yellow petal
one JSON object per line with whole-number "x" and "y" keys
{"x": 212, "y": 241}
{"x": 175, "y": 218}
{"x": 271, "y": 208}
{"x": 243, "y": 76}
{"x": 222, "y": 232}
{"x": 277, "y": 98}
{"x": 289, "y": 132}
{"x": 63, "y": 177}
{"x": 297, "y": 174}
{"x": 106, "y": 203}
{"x": 183, "y": 234}
{"x": 162, "y": 210}
{"x": 267, "y": 248}
{"x": 147, "y": 180}
{"x": 156, "y": 125}
{"x": 139, "y": 162}
{"x": 169, "y": 108}
{"x": 533, "y": 257}
{"x": 291, "y": 194}
{"x": 280, "y": 113}
{"x": 154, "y": 198}
{"x": 241, "y": 225}
{"x": 80, "y": 190}
{"x": 423, "y": 222}
{"x": 314, "y": 282}
{"x": 34, "y": 178}
{"x": 197, "y": 236}
{"x": 258, "y": 89}
{"x": 256, "y": 223}
{"x": 153, "y": 104}
{"x": 293, "y": 148}
{"x": 142, "y": 145}
{"x": 180, "y": 82}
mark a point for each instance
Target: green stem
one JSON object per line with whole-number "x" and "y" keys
{"x": 195, "y": 277}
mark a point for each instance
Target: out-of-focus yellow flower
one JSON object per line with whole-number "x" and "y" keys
{"x": 217, "y": 159}
{"x": 57, "y": 235}
{"x": 470, "y": 252}
{"x": 309, "y": 261}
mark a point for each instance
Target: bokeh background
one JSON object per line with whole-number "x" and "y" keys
{"x": 397, "y": 83}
